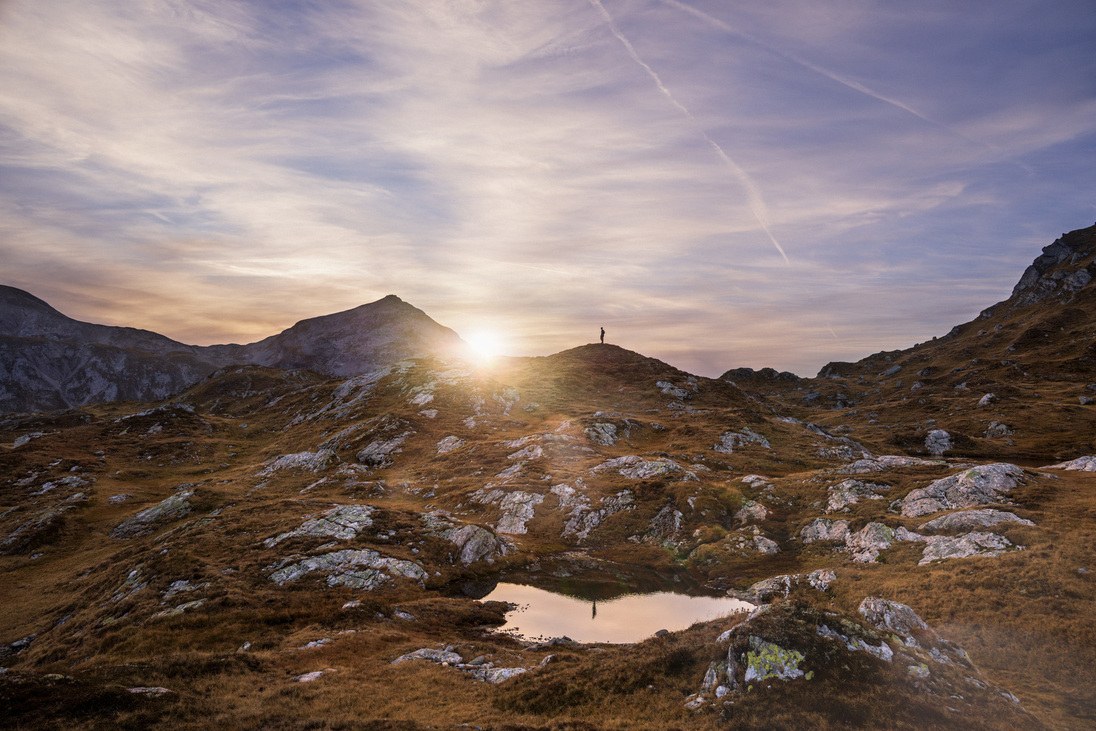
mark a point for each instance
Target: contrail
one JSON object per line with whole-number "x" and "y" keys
{"x": 855, "y": 85}
{"x": 756, "y": 202}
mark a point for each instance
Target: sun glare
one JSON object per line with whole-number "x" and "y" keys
{"x": 483, "y": 344}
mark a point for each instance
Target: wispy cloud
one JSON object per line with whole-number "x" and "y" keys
{"x": 217, "y": 170}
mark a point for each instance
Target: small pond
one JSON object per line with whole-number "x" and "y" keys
{"x": 623, "y": 618}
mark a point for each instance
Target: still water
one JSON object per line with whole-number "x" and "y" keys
{"x": 628, "y": 618}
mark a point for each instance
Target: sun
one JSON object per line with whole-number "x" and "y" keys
{"x": 483, "y": 344}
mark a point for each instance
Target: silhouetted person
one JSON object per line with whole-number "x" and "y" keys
{"x": 603, "y": 336}
{"x": 595, "y": 610}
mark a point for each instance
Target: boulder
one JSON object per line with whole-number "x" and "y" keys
{"x": 751, "y": 512}
{"x": 448, "y": 444}
{"x": 604, "y": 434}
{"x": 972, "y": 520}
{"x": 356, "y": 569}
{"x": 636, "y": 468}
{"x": 767, "y": 660}
{"x": 341, "y": 522}
{"x": 941, "y": 548}
{"x": 983, "y": 485}
{"x": 823, "y": 529}
{"x": 937, "y": 442}
{"x": 312, "y": 461}
{"x": 1084, "y": 464}
{"x": 849, "y": 492}
{"x": 149, "y": 519}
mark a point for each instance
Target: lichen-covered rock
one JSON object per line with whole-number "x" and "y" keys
{"x": 997, "y": 430}
{"x": 603, "y": 433}
{"x": 856, "y": 644}
{"x": 1084, "y": 464}
{"x": 751, "y": 512}
{"x": 341, "y": 522}
{"x": 517, "y": 507}
{"x": 312, "y": 461}
{"x": 636, "y": 468}
{"x": 867, "y": 542}
{"x": 823, "y": 529}
{"x": 883, "y": 463}
{"x": 493, "y": 675}
{"x": 849, "y": 492}
{"x": 940, "y": 548}
{"x": 149, "y": 519}
{"x": 729, "y": 440}
{"x": 968, "y": 520}
{"x": 356, "y": 569}
{"x": 983, "y": 485}
{"x": 768, "y": 660}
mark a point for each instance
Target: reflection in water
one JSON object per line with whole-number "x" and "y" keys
{"x": 629, "y": 618}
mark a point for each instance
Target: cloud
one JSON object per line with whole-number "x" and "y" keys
{"x": 219, "y": 170}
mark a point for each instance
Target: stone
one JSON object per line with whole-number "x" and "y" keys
{"x": 983, "y": 485}
{"x": 986, "y": 400}
{"x": 845, "y": 494}
{"x": 766, "y": 660}
{"x": 356, "y": 569}
{"x": 1084, "y": 464}
{"x": 941, "y": 548}
{"x": 150, "y": 690}
{"x": 767, "y": 589}
{"x": 309, "y": 677}
{"x": 437, "y": 656}
{"x": 494, "y": 675}
{"x": 1086, "y": 400}
{"x": 971, "y": 520}
{"x": 636, "y": 468}
{"x": 342, "y": 522}
{"x": 666, "y": 523}
{"x": 604, "y": 434}
{"x": 378, "y": 453}
{"x": 149, "y": 519}
{"x": 866, "y": 543}
{"x": 751, "y": 512}
{"x": 476, "y": 543}
{"x": 855, "y": 644}
{"x": 823, "y": 529}
{"x": 883, "y": 464}
{"x": 311, "y": 461}
{"x": 729, "y": 440}
{"x": 891, "y": 616}
{"x": 997, "y": 430}
{"x": 937, "y": 442}
{"x": 448, "y": 444}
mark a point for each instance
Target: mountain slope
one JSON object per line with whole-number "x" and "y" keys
{"x": 50, "y": 361}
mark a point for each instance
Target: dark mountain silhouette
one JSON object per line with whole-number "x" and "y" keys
{"x": 50, "y": 361}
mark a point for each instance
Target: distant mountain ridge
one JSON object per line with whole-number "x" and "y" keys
{"x": 50, "y": 361}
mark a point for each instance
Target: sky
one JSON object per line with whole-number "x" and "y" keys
{"x": 718, "y": 184}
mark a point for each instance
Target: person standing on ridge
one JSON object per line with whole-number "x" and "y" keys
{"x": 603, "y": 336}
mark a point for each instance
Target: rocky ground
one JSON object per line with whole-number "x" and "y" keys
{"x": 278, "y": 549}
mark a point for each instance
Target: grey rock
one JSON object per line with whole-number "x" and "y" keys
{"x": 342, "y": 522}
{"x": 448, "y": 444}
{"x": 356, "y": 569}
{"x": 845, "y": 494}
{"x": 1086, "y": 400}
{"x": 751, "y": 512}
{"x": 476, "y": 543}
{"x": 867, "y": 542}
{"x": 604, "y": 434}
{"x": 823, "y": 529}
{"x": 494, "y": 675}
{"x": 883, "y": 464}
{"x": 149, "y": 519}
{"x": 892, "y": 616}
{"x": 940, "y": 548}
{"x": 937, "y": 442}
{"x": 666, "y": 523}
{"x": 438, "y": 656}
{"x": 997, "y": 430}
{"x": 729, "y": 440}
{"x": 986, "y": 400}
{"x": 636, "y": 468}
{"x": 983, "y": 485}
{"x": 378, "y": 453}
{"x": 767, "y": 589}
{"x": 767, "y": 660}
{"x": 311, "y": 461}
{"x": 1084, "y": 464}
{"x": 972, "y": 520}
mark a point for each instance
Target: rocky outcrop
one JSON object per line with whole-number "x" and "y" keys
{"x": 356, "y": 569}
{"x": 341, "y": 522}
{"x": 1084, "y": 464}
{"x": 150, "y": 519}
{"x": 984, "y": 485}
{"x": 848, "y": 493}
{"x": 636, "y": 468}
{"x": 969, "y": 520}
{"x": 767, "y": 589}
{"x": 941, "y": 548}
